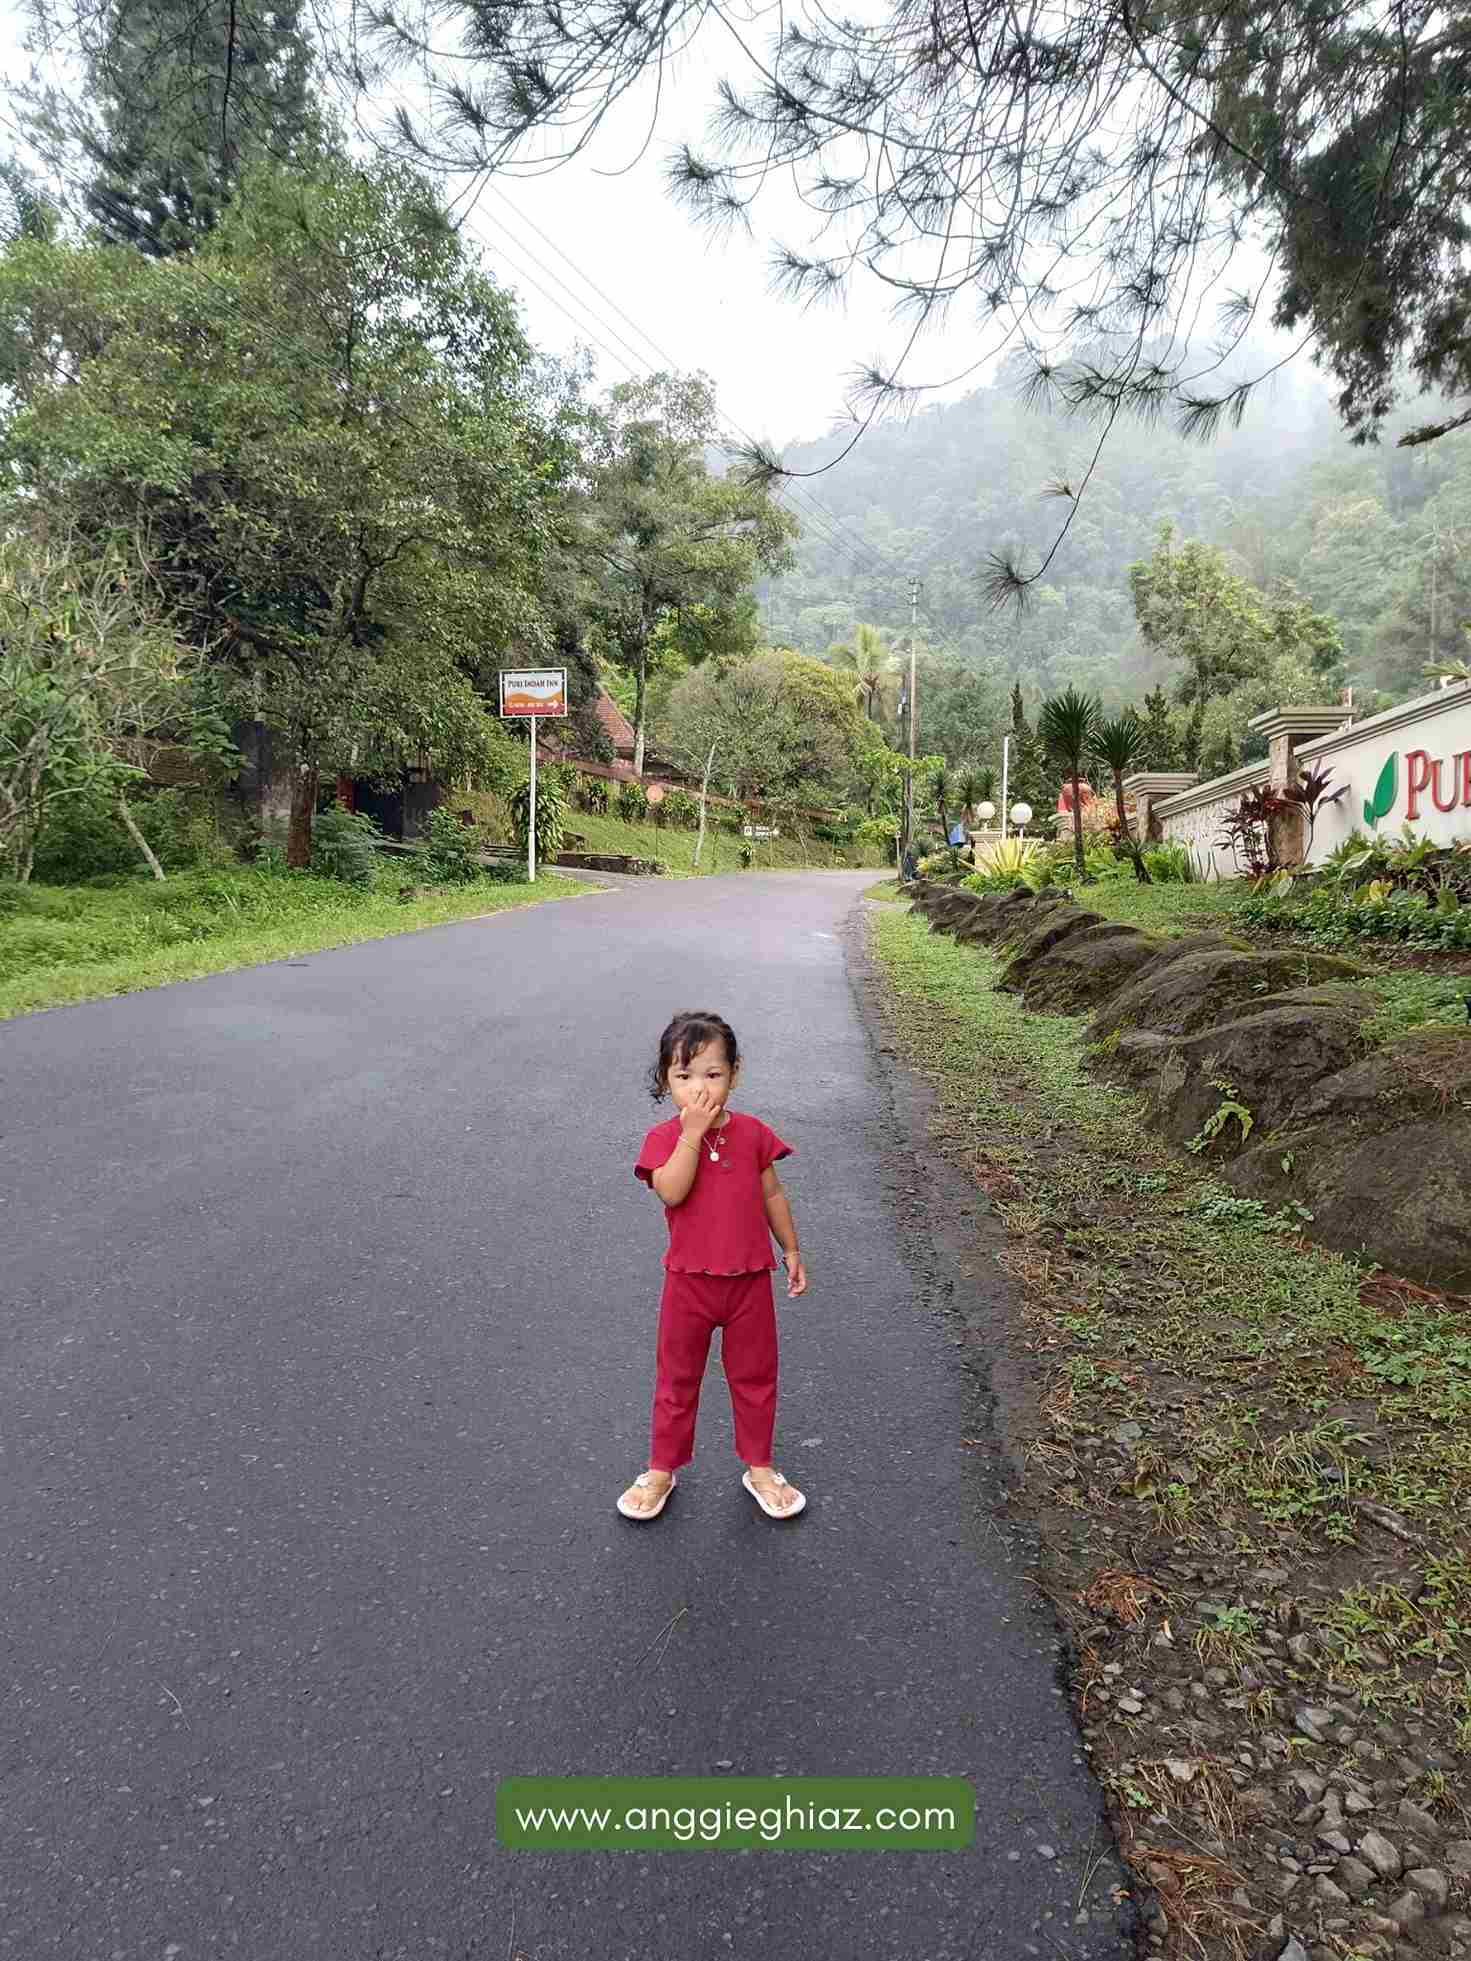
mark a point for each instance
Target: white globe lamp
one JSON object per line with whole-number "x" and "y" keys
{"x": 985, "y": 811}
{"x": 1021, "y": 815}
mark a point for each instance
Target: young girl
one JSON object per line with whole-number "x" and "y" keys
{"x": 715, "y": 1170}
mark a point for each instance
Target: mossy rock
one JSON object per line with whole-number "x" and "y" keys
{"x": 1424, "y": 1073}
{"x": 1058, "y": 924}
{"x": 1205, "y": 984}
{"x": 1380, "y": 1154}
{"x": 951, "y": 911}
{"x": 1088, "y": 967}
{"x": 1269, "y": 1062}
{"x": 1021, "y": 911}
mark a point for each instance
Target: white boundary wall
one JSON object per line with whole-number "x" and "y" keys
{"x": 1417, "y": 757}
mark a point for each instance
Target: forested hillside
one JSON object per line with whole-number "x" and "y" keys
{"x": 1375, "y": 536}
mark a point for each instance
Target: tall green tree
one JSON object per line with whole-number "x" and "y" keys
{"x": 660, "y": 542}
{"x": 334, "y": 433}
{"x": 177, "y": 100}
{"x": 1162, "y": 742}
{"x": 1026, "y": 775}
{"x": 1192, "y": 607}
{"x": 786, "y": 727}
{"x": 1067, "y": 728}
{"x": 869, "y": 656}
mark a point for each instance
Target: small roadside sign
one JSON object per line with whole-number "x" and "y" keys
{"x": 533, "y": 691}
{"x": 759, "y": 831}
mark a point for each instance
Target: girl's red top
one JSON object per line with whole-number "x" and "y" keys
{"x": 721, "y": 1225}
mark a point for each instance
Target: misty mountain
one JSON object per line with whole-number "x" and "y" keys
{"x": 1379, "y": 537}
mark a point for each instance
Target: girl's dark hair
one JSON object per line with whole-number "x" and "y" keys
{"x": 685, "y": 1036}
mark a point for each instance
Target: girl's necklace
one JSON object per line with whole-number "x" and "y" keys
{"x": 710, "y": 1147}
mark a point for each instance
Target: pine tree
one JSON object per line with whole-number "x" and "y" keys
{"x": 1190, "y": 746}
{"x": 178, "y": 98}
{"x": 1162, "y": 745}
{"x": 1222, "y": 756}
{"x": 1027, "y": 774}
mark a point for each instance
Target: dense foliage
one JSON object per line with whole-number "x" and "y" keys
{"x": 1313, "y": 544}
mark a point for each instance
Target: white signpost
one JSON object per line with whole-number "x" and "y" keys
{"x": 532, "y": 692}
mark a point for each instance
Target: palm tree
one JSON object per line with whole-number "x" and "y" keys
{"x": 1066, "y": 727}
{"x": 977, "y": 786}
{"x": 871, "y": 661}
{"x": 940, "y": 786}
{"x": 1121, "y": 745}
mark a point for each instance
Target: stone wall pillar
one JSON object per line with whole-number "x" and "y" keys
{"x": 1149, "y": 787}
{"x": 1286, "y": 730}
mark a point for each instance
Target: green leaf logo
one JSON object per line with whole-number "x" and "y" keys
{"x": 1385, "y": 792}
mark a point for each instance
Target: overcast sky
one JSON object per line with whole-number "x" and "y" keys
{"x": 599, "y": 252}
{"x": 781, "y": 371}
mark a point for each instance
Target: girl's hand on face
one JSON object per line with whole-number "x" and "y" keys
{"x": 796, "y": 1277}
{"x": 698, "y": 1113}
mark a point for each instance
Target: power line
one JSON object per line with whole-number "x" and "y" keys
{"x": 578, "y": 320}
{"x": 817, "y": 520}
{"x": 858, "y": 542}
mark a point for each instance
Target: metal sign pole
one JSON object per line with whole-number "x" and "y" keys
{"x": 531, "y": 827}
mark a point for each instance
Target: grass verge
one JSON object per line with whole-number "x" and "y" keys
{"x": 1249, "y": 1464}
{"x": 60, "y": 944}
{"x": 675, "y": 848}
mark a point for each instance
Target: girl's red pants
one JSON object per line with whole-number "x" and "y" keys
{"x": 691, "y": 1308}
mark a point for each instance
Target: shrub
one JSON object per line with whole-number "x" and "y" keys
{"x": 683, "y": 809}
{"x": 451, "y": 848}
{"x": 633, "y": 805}
{"x": 343, "y": 845}
{"x": 1009, "y": 856}
{"x": 992, "y": 882}
{"x": 83, "y": 837}
{"x": 882, "y": 831}
{"x": 551, "y": 813}
{"x": 501, "y": 871}
{"x": 593, "y": 793}
{"x": 269, "y": 855}
{"x": 1376, "y": 911}
{"x": 1171, "y": 864}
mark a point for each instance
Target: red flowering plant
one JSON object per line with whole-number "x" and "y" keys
{"x": 1254, "y": 832}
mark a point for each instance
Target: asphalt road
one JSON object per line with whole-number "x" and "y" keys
{"x": 327, "y": 1302}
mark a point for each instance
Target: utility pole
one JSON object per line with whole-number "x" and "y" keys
{"x": 913, "y": 717}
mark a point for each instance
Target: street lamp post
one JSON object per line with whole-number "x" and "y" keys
{"x": 1005, "y": 767}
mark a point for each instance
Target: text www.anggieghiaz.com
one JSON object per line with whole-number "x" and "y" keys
{"x": 711, "y": 1822}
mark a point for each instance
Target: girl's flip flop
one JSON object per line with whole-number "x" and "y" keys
{"x": 770, "y": 1510}
{"x": 632, "y": 1511}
